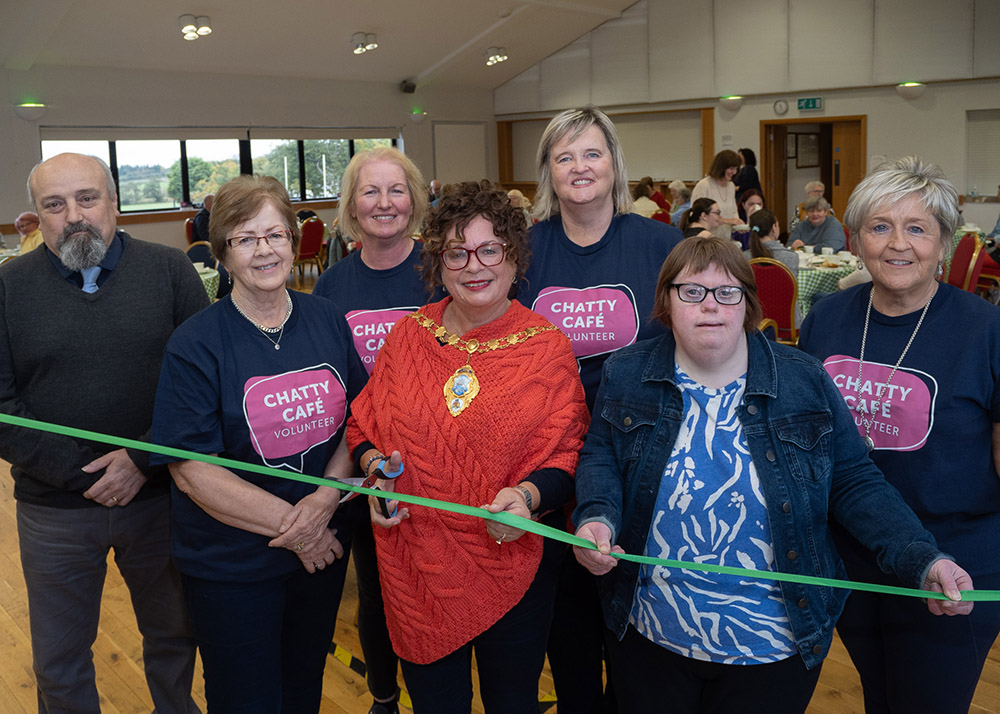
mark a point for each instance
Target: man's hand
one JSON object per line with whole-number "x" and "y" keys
{"x": 120, "y": 482}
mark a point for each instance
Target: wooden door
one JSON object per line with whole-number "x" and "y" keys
{"x": 848, "y": 161}
{"x": 774, "y": 176}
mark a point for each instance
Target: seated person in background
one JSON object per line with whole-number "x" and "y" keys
{"x": 27, "y": 226}
{"x": 655, "y": 196}
{"x": 814, "y": 189}
{"x": 820, "y": 229}
{"x": 682, "y": 200}
{"x": 764, "y": 243}
{"x": 700, "y": 219}
{"x": 519, "y": 200}
{"x": 750, "y": 201}
{"x": 304, "y": 215}
{"x": 641, "y": 201}
{"x": 202, "y": 217}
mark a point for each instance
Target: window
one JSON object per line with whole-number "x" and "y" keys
{"x": 278, "y": 158}
{"x": 210, "y": 163}
{"x": 325, "y": 161}
{"x": 100, "y": 149}
{"x": 143, "y": 174}
{"x": 165, "y": 173}
{"x": 982, "y": 151}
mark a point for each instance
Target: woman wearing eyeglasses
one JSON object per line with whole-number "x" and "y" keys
{"x": 263, "y": 377}
{"x": 479, "y": 400}
{"x": 711, "y": 444}
{"x": 699, "y": 220}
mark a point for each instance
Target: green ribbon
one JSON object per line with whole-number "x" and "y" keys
{"x": 508, "y": 519}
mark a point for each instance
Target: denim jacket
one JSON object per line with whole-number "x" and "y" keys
{"x": 810, "y": 460}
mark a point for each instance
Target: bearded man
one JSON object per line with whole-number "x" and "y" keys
{"x": 83, "y": 324}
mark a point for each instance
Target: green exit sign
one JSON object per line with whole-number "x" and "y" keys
{"x": 810, "y": 103}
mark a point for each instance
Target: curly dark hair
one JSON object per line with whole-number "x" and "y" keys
{"x": 456, "y": 209}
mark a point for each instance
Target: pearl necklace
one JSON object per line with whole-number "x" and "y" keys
{"x": 861, "y": 365}
{"x": 267, "y": 331}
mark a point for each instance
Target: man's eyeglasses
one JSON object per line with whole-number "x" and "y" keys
{"x": 488, "y": 254}
{"x": 248, "y": 244}
{"x": 723, "y": 294}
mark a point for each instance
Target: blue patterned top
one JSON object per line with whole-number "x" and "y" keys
{"x": 710, "y": 508}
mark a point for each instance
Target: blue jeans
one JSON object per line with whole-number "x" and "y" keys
{"x": 264, "y": 644}
{"x": 64, "y": 554}
{"x": 509, "y": 657}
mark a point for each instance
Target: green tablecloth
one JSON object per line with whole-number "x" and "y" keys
{"x": 210, "y": 279}
{"x": 819, "y": 280}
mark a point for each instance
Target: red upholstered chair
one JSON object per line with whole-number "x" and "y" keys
{"x": 310, "y": 245}
{"x": 967, "y": 263}
{"x": 661, "y": 216}
{"x": 778, "y": 292}
{"x": 189, "y": 229}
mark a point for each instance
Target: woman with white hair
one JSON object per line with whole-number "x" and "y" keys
{"x": 918, "y": 363}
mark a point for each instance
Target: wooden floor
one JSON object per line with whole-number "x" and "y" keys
{"x": 117, "y": 652}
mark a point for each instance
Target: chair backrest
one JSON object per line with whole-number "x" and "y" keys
{"x": 967, "y": 263}
{"x": 313, "y": 230}
{"x": 201, "y": 252}
{"x": 189, "y": 229}
{"x": 778, "y": 292}
{"x": 661, "y": 216}
{"x": 769, "y": 328}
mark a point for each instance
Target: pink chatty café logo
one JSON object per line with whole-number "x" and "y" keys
{"x": 902, "y": 418}
{"x": 369, "y": 328}
{"x": 597, "y": 320}
{"x": 288, "y": 414}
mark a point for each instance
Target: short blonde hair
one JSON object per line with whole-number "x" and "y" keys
{"x": 348, "y": 223}
{"x": 571, "y": 123}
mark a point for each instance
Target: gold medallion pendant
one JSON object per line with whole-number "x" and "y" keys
{"x": 460, "y": 389}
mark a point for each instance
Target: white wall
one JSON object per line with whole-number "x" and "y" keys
{"x": 133, "y": 98}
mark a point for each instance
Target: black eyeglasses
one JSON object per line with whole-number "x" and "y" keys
{"x": 488, "y": 254}
{"x": 723, "y": 294}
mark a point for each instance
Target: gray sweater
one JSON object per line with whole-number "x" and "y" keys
{"x": 91, "y": 361}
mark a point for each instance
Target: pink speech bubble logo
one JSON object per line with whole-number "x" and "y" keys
{"x": 289, "y": 414}
{"x": 597, "y": 320}
{"x": 903, "y": 416}
{"x": 369, "y": 328}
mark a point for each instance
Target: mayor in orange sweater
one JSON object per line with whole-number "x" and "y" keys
{"x": 479, "y": 400}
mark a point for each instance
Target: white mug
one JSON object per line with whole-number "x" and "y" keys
{"x": 827, "y": 251}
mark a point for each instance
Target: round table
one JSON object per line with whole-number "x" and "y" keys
{"x": 210, "y": 279}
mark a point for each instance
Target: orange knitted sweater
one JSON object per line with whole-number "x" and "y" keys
{"x": 444, "y": 580}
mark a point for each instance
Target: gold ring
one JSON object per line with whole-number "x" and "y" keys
{"x": 114, "y": 499}
{"x": 301, "y": 545}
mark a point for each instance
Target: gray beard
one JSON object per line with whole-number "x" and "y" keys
{"x": 82, "y": 251}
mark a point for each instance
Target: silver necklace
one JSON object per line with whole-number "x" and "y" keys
{"x": 885, "y": 388}
{"x": 268, "y": 331}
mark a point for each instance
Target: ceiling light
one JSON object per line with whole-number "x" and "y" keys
{"x": 495, "y": 55}
{"x": 362, "y": 42}
{"x": 194, "y": 27}
{"x": 911, "y": 90}
{"x": 187, "y": 23}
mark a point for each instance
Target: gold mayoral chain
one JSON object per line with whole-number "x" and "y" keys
{"x": 463, "y": 386}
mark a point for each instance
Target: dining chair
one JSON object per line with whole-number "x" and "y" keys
{"x": 201, "y": 252}
{"x": 310, "y": 246}
{"x": 189, "y": 229}
{"x": 769, "y": 328}
{"x": 967, "y": 263}
{"x": 778, "y": 292}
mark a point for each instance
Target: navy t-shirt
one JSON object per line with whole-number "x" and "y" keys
{"x": 224, "y": 389}
{"x": 933, "y": 433}
{"x": 599, "y": 295}
{"x": 373, "y": 300}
